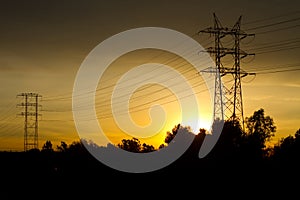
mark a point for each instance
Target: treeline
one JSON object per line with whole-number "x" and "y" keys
{"x": 236, "y": 149}
{"x": 249, "y": 145}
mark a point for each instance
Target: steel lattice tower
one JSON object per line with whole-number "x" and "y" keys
{"x": 228, "y": 103}
{"x": 31, "y": 113}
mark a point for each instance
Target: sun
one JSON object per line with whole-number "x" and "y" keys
{"x": 205, "y": 123}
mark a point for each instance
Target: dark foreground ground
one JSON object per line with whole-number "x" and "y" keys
{"x": 224, "y": 173}
{"x": 61, "y": 175}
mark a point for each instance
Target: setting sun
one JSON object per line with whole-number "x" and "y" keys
{"x": 153, "y": 108}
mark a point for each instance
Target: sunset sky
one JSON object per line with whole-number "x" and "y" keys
{"x": 43, "y": 44}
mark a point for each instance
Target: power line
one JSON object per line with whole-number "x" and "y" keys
{"x": 279, "y": 49}
{"x": 279, "y": 66}
{"x": 278, "y": 71}
{"x": 259, "y": 52}
{"x": 68, "y": 97}
{"x": 123, "y": 112}
{"x": 272, "y": 18}
{"x": 116, "y": 76}
{"x": 273, "y": 24}
{"x": 278, "y": 29}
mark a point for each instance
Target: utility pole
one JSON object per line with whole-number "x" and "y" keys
{"x": 31, "y": 113}
{"x": 228, "y": 102}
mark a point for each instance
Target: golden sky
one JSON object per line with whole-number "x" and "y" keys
{"x": 43, "y": 44}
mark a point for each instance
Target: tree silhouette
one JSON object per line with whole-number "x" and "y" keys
{"x": 161, "y": 146}
{"x": 288, "y": 150}
{"x": 47, "y": 147}
{"x": 191, "y": 154}
{"x": 76, "y": 146}
{"x": 202, "y": 131}
{"x": 134, "y": 145}
{"x": 63, "y": 147}
{"x": 229, "y": 143}
{"x": 237, "y": 153}
{"x": 147, "y": 148}
{"x": 260, "y": 129}
{"x": 170, "y": 135}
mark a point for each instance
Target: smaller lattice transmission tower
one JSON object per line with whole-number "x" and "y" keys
{"x": 31, "y": 115}
{"x": 228, "y": 103}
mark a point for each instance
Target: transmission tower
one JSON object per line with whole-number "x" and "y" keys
{"x": 228, "y": 101}
{"x": 31, "y": 114}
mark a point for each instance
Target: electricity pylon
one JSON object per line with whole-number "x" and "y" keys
{"x": 31, "y": 113}
{"x": 228, "y": 101}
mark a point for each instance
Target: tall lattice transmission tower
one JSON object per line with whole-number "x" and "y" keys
{"x": 31, "y": 115}
{"x": 228, "y": 103}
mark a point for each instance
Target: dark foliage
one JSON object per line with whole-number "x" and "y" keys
{"x": 238, "y": 156}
